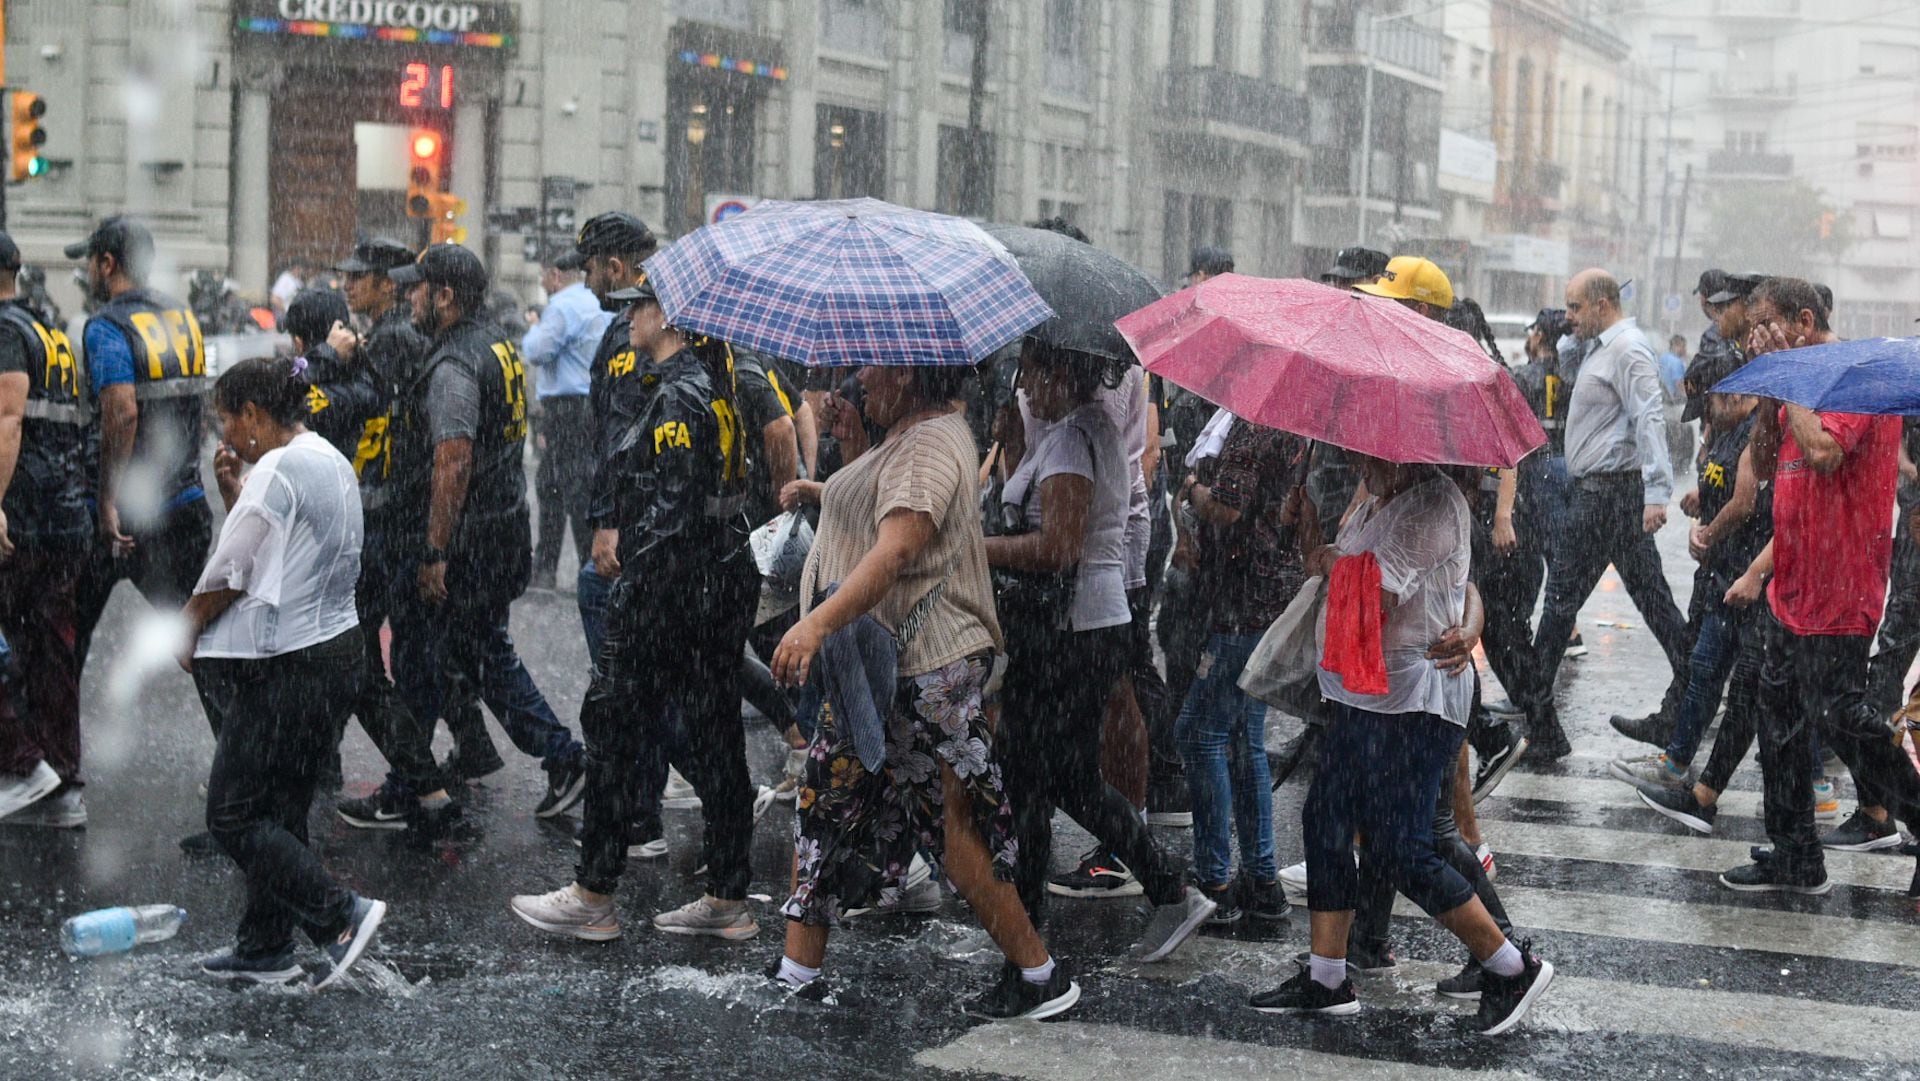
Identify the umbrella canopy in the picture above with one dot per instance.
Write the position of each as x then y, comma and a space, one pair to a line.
1872, 375
1352, 370
1087, 289
848, 282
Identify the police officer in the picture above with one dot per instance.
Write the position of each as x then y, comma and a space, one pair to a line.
343, 397
45, 532
675, 483
459, 516
147, 367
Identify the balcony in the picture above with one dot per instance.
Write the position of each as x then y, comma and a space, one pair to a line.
1212, 96
1757, 9
1399, 43
737, 14
1739, 163
1754, 87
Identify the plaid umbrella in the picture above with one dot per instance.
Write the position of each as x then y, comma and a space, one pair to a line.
848, 282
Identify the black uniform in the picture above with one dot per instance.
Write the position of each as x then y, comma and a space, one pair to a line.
50, 527
471, 386
169, 387
676, 621
346, 407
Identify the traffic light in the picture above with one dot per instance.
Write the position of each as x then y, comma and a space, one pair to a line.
425, 149
447, 209
28, 137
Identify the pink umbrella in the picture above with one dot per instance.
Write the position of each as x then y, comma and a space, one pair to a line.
1357, 371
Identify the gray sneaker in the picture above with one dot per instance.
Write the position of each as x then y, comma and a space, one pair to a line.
915, 899
1652, 773
19, 793
1172, 924
733, 922
66, 811
565, 912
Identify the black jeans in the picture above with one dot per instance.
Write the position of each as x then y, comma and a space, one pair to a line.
1184, 626
1164, 761
1818, 684
671, 657
1603, 526
564, 478
165, 563
1899, 628
277, 718
1052, 707
1372, 917
386, 571
1509, 583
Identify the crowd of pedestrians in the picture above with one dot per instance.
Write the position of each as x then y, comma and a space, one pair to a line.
996, 551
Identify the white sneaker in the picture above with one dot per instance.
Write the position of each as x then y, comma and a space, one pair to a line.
702, 917
1293, 879
678, 794
763, 800
788, 790
19, 792
565, 912
66, 811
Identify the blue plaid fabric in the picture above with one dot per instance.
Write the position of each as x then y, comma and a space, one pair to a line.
848, 282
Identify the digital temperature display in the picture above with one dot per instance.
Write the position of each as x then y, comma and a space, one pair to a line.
424, 86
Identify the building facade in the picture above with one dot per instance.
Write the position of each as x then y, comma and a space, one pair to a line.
255, 133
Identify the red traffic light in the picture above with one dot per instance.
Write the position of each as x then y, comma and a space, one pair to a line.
425, 145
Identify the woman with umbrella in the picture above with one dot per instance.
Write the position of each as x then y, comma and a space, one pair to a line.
1406, 396
1061, 569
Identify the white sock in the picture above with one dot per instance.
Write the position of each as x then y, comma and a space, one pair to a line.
1143, 814
796, 975
1506, 961
1328, 972
1038, 974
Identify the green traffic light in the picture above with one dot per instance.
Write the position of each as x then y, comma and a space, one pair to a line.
37, 167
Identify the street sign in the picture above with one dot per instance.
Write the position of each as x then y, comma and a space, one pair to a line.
512, 219
1672, 303
722, 207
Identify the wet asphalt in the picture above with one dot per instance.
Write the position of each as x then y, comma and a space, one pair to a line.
1664, 974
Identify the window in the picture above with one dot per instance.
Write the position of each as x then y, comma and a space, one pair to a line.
1886, 142
1747, 142
1190, 222
1887, 60
1066, 30
855, 26
850, 153
1226, 31
965, 182
962, 21
1062, 180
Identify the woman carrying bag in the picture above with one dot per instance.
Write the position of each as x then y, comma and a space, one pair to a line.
900, 541
1060, 570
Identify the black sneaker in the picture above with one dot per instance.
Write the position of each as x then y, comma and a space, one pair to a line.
362, 929
1304, 994
1168, 803
817, 990
1099, 875
1765, 877
1576, 646
474, 765
1505, 1000
1655, 728
1226, 906
566, 784
1504, 707
1496, 766
1464, 985
200, 844
1860, 833
278, 967
1013, 998
1546, 740
1680, 805
388, 808
1265, 901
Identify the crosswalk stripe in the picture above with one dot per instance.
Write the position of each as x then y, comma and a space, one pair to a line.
1602, 792
1873, 870
1087, 1051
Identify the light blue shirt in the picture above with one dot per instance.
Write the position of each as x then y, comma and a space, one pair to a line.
1615, 418
1672, 371
561, 345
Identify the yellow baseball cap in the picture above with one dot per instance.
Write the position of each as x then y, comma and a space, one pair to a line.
1410, 277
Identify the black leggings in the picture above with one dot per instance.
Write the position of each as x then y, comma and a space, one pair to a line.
1371, 919
278, 718
1051, 710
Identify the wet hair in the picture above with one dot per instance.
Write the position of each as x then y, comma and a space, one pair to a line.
1086, 373
1826, 297
1467, 317
277, 386
1790, 297
934, 383
1057, 224
312, 313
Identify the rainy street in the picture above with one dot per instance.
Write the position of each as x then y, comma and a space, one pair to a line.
1664, 973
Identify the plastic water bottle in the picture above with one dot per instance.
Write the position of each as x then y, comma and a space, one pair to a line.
117, 930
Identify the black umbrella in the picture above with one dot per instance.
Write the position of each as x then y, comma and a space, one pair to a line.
1087, 288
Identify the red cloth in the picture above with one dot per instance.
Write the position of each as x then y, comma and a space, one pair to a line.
1353, 651
1833, 534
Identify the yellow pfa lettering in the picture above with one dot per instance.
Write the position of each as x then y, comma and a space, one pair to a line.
620, 363
672, 434
154, 336
1715, 474
1553, 392
198, 342
374, 446
175, 321
61, 373
514, 374
731, 451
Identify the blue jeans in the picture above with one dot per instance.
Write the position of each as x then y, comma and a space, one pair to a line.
1714, 649
1380, 776
1216, 719
591, 590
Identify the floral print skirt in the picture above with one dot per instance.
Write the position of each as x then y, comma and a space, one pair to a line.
856, 832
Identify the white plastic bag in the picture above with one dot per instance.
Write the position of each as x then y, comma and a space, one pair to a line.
780, 550
1284, 669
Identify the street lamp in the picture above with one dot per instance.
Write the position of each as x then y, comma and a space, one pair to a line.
1373, 24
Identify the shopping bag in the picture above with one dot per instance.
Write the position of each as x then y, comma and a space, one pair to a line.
1284, 669
780, 550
